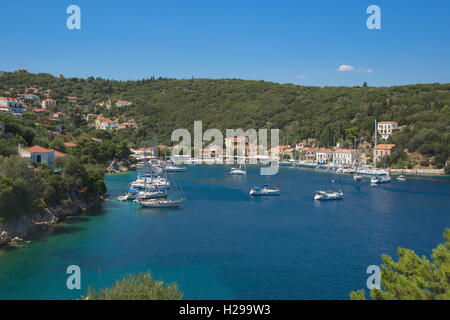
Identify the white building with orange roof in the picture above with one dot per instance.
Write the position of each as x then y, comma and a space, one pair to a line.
386, 128
103, 123
47, 103
123, 103
383, 150
344, 157
38, 154
11, 105
324, 155
310, 153
299, 146
31, 96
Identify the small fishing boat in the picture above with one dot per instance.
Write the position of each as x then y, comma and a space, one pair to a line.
401, 178
380, 179
324, 195
357, 177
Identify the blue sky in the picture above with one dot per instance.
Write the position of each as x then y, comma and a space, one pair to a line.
300, 42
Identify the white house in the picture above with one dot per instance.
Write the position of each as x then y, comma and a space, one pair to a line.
343, 157
310, 153
31, 96
11, 105
47, 103
324, 155
385, 128
38, 154
122, 103
59, 115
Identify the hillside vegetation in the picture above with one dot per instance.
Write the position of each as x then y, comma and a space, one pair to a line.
332, 114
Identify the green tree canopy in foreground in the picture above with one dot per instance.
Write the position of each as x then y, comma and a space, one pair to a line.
412, 277
136, 287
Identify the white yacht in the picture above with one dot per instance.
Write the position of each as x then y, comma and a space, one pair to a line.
264, 190
324, 195
238, 171
385, 178
161, 203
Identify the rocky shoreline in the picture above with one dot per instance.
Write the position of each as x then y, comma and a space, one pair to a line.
115, 166
15, 232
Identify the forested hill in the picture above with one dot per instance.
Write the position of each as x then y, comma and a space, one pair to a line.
329, 113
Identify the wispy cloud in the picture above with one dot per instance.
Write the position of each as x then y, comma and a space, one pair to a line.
316, 71
301, 76
360, 69
345, 67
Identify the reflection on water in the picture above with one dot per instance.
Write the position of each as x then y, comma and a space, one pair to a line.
222, 243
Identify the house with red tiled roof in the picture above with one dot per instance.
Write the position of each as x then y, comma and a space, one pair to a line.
31, 96
324, 155
59, 115
47, 103
344, 157
299, 146
11, 105
383, 150
122, 103
38, 154
97, 140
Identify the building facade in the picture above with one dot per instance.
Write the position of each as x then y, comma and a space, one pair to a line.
383, 150
11, 105
343, 157
386, 128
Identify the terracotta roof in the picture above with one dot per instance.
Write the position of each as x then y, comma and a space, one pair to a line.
38, 149
59, 154
325, 150
70, 144
310, 149
344, 151
387, 122
385, 146
11, 99
97, 139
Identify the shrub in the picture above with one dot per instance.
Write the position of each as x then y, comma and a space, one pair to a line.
136, 287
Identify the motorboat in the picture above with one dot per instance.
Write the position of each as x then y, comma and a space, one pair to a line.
161, 203
380, 179
264, 190
332, 195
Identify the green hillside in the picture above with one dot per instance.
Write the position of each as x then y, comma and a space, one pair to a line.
331, 114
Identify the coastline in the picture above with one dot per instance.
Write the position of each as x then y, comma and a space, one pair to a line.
12, 233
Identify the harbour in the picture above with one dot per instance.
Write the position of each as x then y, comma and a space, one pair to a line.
225, 244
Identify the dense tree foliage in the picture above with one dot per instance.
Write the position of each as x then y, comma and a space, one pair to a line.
333, 114
136, 287
25, 189
414, 278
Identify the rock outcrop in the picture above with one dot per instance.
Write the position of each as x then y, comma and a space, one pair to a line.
14, 232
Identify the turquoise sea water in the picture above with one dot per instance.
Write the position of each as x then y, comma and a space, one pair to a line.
223, 244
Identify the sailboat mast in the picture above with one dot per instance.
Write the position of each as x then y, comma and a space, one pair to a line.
376, 142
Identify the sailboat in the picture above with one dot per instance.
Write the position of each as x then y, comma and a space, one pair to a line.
238, 171
265, 190
330, 195
163, 201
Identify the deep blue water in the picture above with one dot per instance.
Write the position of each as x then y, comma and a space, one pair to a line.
223, 244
